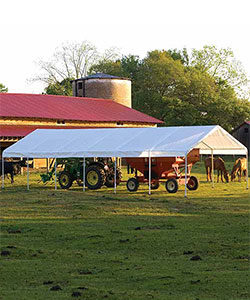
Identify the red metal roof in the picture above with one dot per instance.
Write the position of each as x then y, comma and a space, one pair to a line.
68, 108
21, 131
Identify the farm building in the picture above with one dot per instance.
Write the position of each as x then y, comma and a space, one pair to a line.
100, 101
242, 134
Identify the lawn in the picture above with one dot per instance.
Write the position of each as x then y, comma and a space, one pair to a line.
100, 245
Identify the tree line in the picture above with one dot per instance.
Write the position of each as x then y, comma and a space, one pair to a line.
181, 87
202, 89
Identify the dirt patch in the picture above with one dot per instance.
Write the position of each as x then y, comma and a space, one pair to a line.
124, 241
56, 288
167, 277
94, 236
14, 231
196, 257
188, 252
48, 282
195, 281
160, 227
85, 272
76, 294
5, 253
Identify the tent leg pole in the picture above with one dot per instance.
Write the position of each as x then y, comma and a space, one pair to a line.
83, 176
115, 178
186, 176
55, 175
247, 170
28, 175
2, 172
212, 163
149, 173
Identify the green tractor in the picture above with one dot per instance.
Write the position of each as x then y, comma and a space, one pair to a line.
98, 172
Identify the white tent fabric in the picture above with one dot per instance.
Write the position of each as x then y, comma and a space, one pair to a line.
125, 142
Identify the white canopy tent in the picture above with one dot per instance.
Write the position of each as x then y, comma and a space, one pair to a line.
126, 142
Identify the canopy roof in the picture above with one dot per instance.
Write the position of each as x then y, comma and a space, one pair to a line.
125, 142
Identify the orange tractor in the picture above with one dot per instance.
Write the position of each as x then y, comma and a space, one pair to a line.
170, 170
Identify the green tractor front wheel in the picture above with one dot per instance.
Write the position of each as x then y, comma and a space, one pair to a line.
95, 177
65, 180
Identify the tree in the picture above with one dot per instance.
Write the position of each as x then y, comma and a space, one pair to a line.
159, 79
71, 61
181, 55
222, 65
60, 88
167, 87
3, 89
127, 66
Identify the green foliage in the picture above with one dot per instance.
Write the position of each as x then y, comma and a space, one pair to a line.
60, 88
3, 89
180, 90
108, 67
125, 245
221, 64
127, 66
181, 55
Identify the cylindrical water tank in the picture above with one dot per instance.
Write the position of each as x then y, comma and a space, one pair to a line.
104, 86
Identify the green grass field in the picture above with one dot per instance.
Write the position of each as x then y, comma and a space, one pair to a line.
100, 245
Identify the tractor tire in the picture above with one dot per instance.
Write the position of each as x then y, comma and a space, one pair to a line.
110, 179
65, 180
95, 177
155, 185
171, 185
193, 183
132, 185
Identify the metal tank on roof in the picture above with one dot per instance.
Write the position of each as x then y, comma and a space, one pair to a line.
104, 86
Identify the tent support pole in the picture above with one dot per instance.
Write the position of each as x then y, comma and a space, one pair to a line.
186, 176
55, 175
28, 175
115, 177
83, 175
2, 172
212, 163
247, 169
149, 172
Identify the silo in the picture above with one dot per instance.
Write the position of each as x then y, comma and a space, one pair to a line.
104, 86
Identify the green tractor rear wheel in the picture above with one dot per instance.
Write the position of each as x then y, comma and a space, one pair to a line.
65, 180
